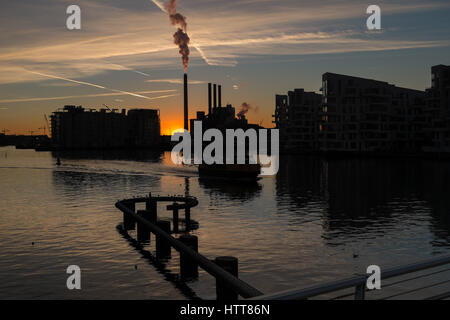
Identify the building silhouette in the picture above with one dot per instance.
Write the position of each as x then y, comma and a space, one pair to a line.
296, 115
438, 110
366, 116
74, 127
220, 117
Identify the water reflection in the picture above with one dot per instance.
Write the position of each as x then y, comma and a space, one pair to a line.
298, 228
230, 190
133, 155
367, 195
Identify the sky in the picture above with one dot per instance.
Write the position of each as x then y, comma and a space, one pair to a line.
124, 55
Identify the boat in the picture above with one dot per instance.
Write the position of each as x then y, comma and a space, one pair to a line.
230, 171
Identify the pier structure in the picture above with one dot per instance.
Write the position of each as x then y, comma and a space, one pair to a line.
413, 278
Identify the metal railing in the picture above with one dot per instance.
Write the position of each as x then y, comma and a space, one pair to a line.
360, 282
234, 283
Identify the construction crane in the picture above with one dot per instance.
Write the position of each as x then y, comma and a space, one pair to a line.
46, 122
107, 107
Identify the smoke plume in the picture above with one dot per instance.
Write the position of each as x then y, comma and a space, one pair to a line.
245, 108
181, 39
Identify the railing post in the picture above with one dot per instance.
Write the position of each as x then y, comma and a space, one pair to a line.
187, 218
163, 248
223, 292
175, 217
129, 223
188, 268
151, 205
143, 233
360, 291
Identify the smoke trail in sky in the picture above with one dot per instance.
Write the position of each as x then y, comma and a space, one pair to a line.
181, 39
245, 108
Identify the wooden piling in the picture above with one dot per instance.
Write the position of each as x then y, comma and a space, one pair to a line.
151, 205
129, 223
175, 218
163, 248
187, 218
143, 233
224, 292
188, 267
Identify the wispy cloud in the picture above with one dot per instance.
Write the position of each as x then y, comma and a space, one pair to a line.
222, 33
91, 96
90, 84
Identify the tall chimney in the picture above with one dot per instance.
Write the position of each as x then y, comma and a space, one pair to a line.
209, 99
186, 105
220, 95
215, 96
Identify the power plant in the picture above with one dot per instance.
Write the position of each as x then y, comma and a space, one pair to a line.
219, 116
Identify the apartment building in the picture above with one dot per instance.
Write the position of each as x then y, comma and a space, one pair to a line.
74, 127
438, 110
296, 117
365, 115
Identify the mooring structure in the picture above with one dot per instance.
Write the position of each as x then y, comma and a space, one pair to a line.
223, 269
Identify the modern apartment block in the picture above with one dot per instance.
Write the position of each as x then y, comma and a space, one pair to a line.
364, 115
73, 127
438, 110
296, 117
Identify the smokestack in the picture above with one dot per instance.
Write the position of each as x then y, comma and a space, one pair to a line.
220, 95
209, 99
186, 105
215, 96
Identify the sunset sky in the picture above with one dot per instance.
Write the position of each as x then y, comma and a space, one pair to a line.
124, 55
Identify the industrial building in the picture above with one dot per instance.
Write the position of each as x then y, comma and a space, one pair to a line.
74, 127
220, 117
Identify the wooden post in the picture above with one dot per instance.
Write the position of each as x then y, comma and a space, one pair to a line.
188, 268
129, 223
187, 218
162, 246
223, 292
151, 205
143, 233
360, 292
175, 218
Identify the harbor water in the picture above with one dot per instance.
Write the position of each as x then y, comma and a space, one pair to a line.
317, 220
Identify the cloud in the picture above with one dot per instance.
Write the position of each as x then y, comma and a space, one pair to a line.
137, 37
89, 84
91, 96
